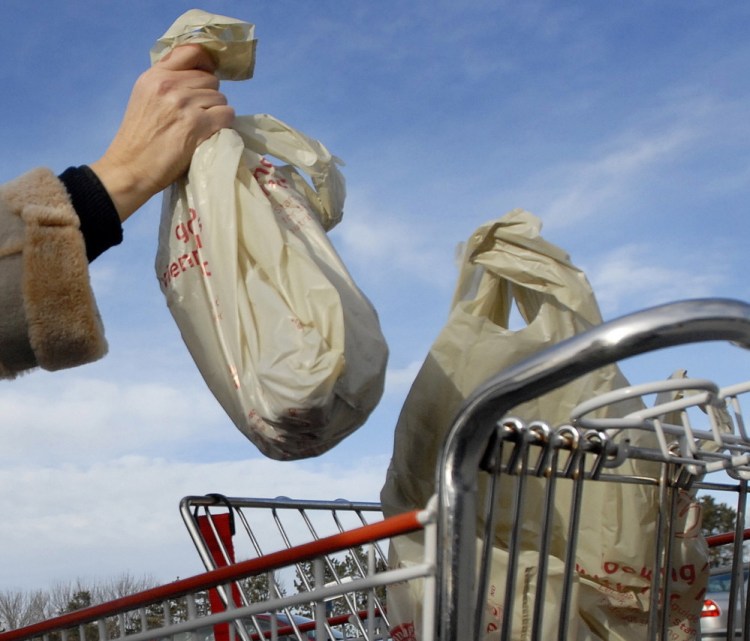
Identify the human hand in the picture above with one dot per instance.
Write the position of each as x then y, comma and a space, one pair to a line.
174, 106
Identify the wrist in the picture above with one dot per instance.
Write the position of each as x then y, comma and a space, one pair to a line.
99, 221
127, 191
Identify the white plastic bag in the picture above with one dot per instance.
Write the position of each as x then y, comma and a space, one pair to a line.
282, 335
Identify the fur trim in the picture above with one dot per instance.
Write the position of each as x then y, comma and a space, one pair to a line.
64, 326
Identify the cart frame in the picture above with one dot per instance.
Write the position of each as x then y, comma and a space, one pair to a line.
457, 475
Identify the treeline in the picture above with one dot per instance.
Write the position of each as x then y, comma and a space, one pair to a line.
19, 608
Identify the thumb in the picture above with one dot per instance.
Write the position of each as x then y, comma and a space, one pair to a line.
191, 56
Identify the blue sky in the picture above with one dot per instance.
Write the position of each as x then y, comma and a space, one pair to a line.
623, 126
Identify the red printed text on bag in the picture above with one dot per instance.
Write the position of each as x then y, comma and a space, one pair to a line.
404, 632
265, 174
685, 574
189, 233
285, 201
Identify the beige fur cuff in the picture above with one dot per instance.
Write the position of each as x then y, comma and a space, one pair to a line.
64, 325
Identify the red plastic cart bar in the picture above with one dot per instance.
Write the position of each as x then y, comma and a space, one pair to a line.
390, 527
724, 539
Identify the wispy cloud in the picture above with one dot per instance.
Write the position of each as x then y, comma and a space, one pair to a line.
579, 190
408, 248
636, 276
668, 146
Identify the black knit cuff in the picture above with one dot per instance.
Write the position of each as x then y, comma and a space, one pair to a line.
100, 223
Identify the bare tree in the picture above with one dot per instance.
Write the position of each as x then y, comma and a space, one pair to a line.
19, 608
69, 595
120, 586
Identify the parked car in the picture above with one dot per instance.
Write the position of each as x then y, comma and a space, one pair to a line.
714, 616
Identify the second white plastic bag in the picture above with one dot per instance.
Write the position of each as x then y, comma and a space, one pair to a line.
507, 263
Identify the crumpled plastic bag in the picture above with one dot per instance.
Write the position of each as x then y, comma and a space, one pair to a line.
505, 263
231, 42
286, 341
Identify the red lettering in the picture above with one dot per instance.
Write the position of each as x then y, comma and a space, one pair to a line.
186, 231
181, 233
194, 219
610, 567
182, 264
687, 573
266, 177
404, 632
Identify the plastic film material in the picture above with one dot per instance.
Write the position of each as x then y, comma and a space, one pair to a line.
230, 41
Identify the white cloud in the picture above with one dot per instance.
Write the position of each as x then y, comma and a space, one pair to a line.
104, 518
69, 417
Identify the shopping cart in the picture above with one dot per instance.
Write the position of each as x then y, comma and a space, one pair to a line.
224, 529
334, 555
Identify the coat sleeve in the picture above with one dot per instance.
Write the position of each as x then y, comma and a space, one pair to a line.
48, 315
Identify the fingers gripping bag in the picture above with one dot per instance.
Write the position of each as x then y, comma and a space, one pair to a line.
505, 263
285, 340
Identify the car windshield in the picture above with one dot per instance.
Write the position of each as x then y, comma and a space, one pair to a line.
722, 581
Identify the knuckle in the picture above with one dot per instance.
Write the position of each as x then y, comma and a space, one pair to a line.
166, 88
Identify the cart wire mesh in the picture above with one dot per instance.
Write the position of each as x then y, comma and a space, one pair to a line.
706, 450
